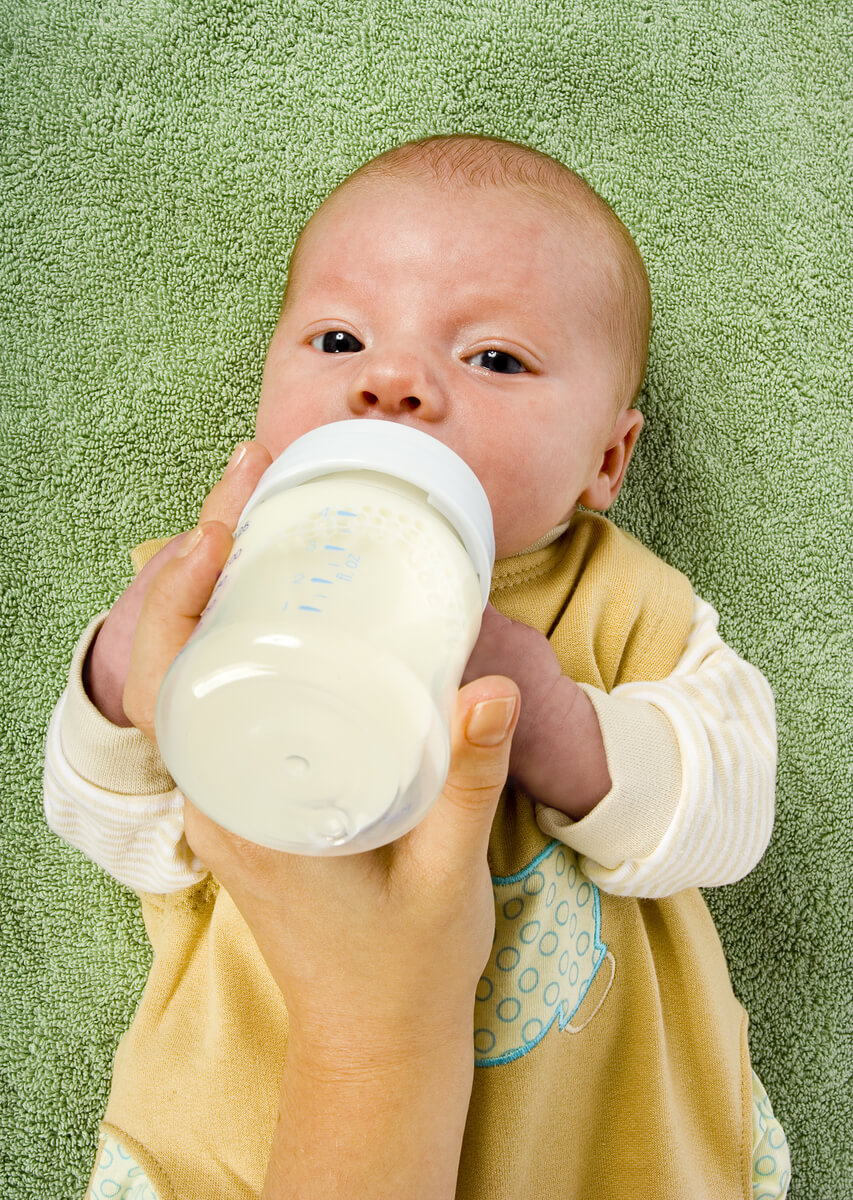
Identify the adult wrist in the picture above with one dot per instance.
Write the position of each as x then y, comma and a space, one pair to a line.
363, 1065
329, 1050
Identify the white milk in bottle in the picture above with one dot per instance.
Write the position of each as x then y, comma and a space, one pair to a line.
309, 711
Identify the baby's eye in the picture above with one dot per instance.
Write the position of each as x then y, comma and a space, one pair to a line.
499, 361
336, 341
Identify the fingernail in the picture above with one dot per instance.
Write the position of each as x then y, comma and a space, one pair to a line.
190, 542
489, 723
237, 457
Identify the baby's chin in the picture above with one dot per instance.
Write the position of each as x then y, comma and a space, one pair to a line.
516, 541
507, 548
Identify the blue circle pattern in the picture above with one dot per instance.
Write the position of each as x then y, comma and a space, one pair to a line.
546, 953
771, 1159
118, 1176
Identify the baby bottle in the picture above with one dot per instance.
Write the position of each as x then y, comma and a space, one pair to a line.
310, 709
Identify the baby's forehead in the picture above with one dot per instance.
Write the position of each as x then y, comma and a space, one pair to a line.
562, 228
532, 214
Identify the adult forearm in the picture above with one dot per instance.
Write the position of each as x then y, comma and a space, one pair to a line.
376, 1132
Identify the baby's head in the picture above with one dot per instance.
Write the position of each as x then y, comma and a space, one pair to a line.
482, 292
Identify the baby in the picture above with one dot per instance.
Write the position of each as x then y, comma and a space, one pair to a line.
525, 998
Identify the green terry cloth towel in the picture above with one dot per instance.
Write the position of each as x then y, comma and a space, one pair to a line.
158, 158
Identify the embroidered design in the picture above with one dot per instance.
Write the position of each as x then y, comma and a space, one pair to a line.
546, 953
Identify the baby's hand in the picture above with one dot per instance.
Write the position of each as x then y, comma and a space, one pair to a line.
506, 647
557, 751
511, 648
108, 664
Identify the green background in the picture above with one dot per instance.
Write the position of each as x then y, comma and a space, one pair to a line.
157, 161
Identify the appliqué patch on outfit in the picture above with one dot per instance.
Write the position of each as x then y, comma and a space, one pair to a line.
117, 1176
771, 1158
546, 953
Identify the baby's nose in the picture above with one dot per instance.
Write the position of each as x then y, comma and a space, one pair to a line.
362, 401
394, 385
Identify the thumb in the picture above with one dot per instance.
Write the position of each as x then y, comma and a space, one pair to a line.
170, 611
484, 721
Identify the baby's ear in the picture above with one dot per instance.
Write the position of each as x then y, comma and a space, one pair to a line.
604, 486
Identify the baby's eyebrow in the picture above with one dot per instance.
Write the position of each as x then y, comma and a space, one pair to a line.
331, 285
478, 299
334, 280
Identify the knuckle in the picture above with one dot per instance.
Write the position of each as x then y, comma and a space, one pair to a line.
478, 791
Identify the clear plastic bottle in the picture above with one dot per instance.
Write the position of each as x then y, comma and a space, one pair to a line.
310, 709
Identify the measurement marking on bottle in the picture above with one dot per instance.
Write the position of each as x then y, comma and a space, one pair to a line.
341, 548
308, 608
315, 579
342, 512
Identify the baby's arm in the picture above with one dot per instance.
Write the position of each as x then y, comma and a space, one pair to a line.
691, 760
107, 791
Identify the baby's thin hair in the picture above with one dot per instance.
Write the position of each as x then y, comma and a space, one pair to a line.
483, 161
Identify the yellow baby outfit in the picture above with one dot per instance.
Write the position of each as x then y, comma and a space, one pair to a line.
612, 1057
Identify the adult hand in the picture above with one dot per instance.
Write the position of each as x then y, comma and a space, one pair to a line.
385, 946
377, 954
354, 942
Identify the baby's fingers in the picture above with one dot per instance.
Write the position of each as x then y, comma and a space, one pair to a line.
229, 496
170, 612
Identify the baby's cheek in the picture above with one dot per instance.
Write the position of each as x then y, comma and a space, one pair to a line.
279, 424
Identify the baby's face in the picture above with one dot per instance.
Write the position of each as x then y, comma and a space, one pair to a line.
469, 314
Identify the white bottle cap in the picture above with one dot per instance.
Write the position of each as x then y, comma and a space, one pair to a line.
409, 454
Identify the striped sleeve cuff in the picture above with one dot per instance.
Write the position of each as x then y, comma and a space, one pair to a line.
109, 756
692, 761
645, 773
108, 793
